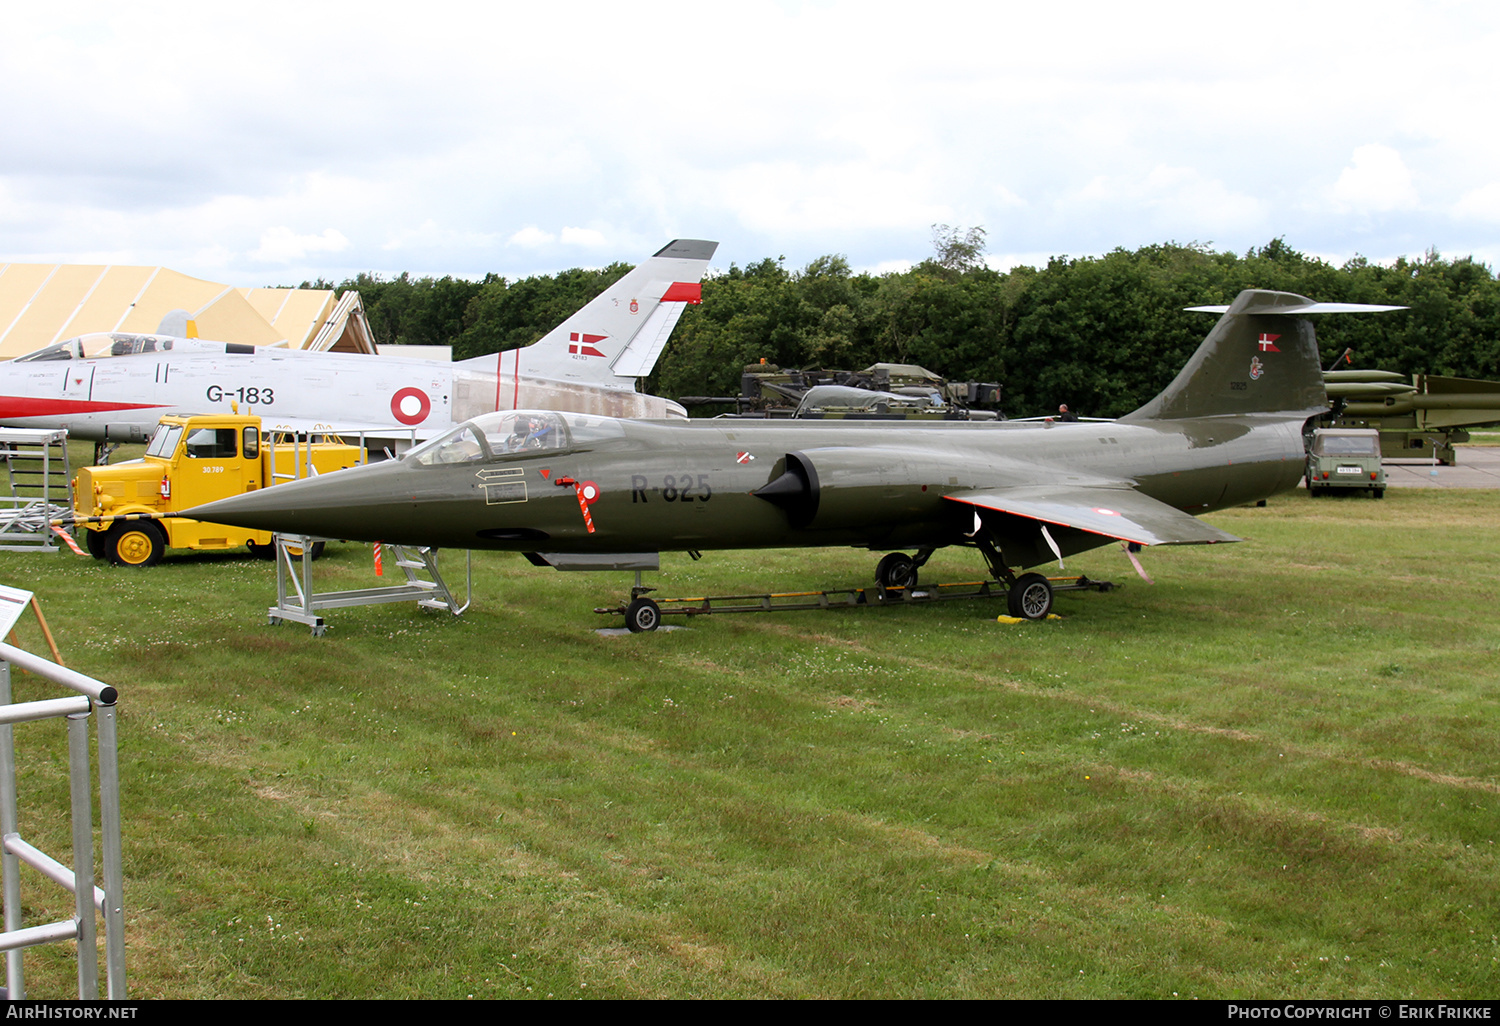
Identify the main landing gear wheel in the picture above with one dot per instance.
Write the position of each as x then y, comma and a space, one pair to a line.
896, 570
1031, 598
642, 615
135, 543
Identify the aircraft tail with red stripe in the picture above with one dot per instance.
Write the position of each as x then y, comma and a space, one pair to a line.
616, 338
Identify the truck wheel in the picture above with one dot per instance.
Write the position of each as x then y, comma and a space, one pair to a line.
642, 615
262, 551
1031, 598
135, 543
1379, 492
94, 541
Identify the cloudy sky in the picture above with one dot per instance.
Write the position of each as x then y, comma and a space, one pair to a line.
272, 142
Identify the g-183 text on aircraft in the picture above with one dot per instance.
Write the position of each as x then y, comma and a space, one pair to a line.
577, 491
589, 363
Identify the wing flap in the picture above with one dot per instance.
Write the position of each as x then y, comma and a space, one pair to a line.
1112, 512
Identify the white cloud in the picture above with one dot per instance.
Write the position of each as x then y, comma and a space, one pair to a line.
1108, 126
1004, 196
792, 199
1376, 181
281, 245
1481, 204
429, 236
531, 237
586, 237
214, 257
1170, 200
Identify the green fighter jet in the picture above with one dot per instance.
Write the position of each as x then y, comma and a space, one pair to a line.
577, 491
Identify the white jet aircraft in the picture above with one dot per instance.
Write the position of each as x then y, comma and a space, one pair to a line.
113, 387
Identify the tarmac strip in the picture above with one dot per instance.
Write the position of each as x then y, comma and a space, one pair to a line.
1478, 467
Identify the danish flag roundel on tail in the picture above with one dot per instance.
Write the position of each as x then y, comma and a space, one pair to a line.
410, 406
1267, 343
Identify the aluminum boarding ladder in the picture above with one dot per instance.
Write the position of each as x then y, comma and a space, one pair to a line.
296, 601
414, 562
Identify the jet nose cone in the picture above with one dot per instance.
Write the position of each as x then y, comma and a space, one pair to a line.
344, 504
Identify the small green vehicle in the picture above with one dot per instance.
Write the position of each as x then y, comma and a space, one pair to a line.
1341, 459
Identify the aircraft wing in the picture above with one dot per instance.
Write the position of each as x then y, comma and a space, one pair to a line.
1115, 512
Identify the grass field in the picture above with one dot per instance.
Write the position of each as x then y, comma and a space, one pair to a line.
1273, 773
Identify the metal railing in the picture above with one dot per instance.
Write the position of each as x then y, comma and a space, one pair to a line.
40, 488
94, 699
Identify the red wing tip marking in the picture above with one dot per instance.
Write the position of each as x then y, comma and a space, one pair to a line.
683, 292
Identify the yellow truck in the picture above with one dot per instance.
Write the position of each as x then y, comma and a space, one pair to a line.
190, 461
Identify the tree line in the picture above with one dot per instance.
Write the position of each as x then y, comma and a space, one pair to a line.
1102, 334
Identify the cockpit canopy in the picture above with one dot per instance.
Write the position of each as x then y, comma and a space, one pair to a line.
509, 433
118, 343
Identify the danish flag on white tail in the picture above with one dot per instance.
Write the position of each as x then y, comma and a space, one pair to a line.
581, 344
1267, 343
633, 318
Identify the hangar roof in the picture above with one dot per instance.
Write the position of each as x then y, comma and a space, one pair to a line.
45, 303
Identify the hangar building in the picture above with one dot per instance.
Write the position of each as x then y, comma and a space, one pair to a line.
41, 304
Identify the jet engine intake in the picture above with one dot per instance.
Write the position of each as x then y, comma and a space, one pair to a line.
848, 488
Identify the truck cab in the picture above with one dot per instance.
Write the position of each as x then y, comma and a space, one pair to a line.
1340, 459
190, 461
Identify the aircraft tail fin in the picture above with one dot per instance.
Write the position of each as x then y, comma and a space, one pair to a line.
1261, 357
618, 336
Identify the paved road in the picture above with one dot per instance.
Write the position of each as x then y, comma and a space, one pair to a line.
1478, 467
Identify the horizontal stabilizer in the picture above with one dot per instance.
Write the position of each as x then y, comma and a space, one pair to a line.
1112, 512
1299, 308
